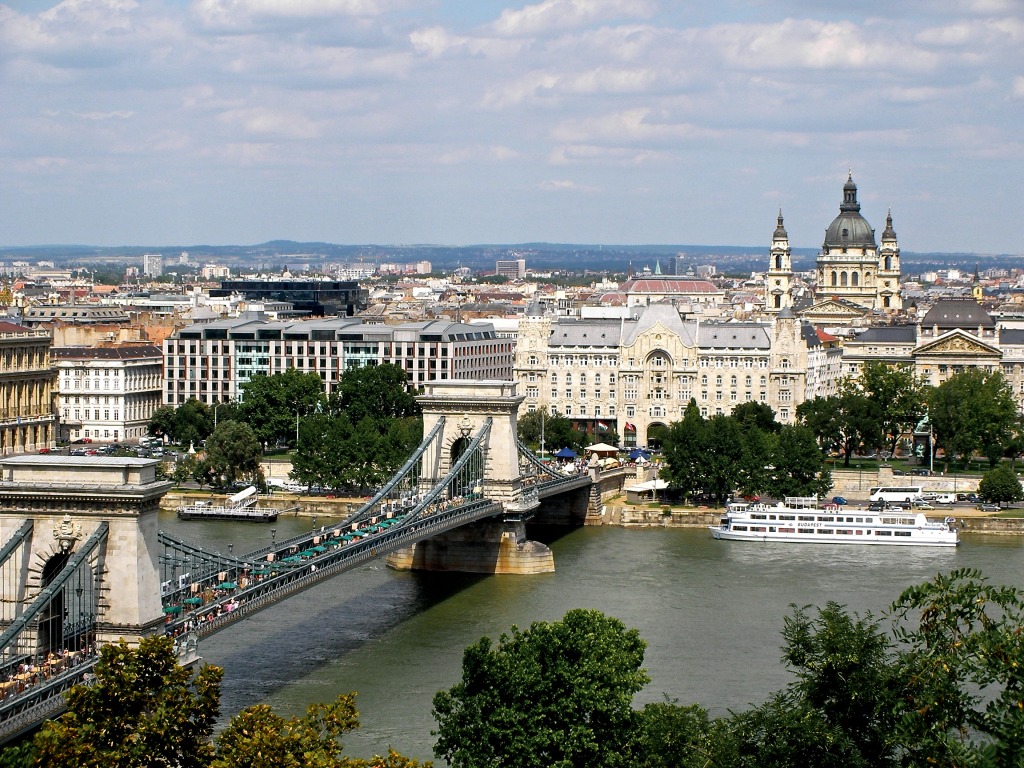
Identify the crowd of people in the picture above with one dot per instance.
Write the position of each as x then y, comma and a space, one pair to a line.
32, 672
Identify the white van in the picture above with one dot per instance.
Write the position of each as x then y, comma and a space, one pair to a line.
945, 498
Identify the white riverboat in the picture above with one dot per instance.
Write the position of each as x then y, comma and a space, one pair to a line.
802, 520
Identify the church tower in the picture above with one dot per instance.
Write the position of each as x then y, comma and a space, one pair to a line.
778, 294
889, 269
850, 266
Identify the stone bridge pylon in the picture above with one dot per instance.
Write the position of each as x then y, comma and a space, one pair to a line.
494, 545
56, 511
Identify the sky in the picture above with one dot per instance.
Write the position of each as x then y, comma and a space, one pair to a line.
457, 122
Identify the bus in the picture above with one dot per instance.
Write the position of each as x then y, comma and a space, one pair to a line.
896, 494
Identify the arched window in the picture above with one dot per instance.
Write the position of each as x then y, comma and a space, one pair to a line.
855, 279
843, 279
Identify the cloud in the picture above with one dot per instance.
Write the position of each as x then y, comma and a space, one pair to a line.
566, 185
121, 114
554, 16
477, 154
276, 123
244, 13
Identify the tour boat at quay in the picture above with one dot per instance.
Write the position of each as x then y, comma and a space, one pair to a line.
801, 520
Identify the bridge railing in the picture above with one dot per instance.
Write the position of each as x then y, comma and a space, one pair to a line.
297, 564
53, 636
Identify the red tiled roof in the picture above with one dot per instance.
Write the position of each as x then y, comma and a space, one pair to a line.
667, 285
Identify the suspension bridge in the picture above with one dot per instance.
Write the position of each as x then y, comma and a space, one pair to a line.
83, 564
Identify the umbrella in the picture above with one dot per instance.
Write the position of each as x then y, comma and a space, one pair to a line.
318, 548
261, 572
227, 585
639, 453
347, 537
172, 609
292, 559
564, 453
193, 600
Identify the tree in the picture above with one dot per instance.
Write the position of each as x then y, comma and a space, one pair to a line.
1001, 486
193, 422
962, 672
897, 395
163, 421
557, 694
684, 452
972, 410
757, 415
272, 405
259, 738
142, 710
558, 431
146, 710
799, 467
233, 452
377, 391
723, 456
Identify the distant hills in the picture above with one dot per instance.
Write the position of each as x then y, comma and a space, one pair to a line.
576, 257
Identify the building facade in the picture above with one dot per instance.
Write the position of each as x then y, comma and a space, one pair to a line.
953, 335
108, 393
637, 375
211, 361
27, 381
309, 297
513, 269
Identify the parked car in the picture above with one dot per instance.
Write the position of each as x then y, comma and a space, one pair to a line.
989, 507
44, 450
840, 500
78, 451
921, 472
898, 472
923, 505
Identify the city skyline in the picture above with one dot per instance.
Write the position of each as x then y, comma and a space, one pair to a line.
456, 122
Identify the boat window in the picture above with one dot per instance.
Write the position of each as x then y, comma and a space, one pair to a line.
844, 531
827, 519
883, 533
758, 517
806, 530
825, 530
787, 517
806, 518
787, 530
739, 527
859, 520
901, 533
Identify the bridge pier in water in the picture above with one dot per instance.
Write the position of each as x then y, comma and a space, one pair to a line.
486, 546
493, 545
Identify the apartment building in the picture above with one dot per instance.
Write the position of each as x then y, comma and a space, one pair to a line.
212, 361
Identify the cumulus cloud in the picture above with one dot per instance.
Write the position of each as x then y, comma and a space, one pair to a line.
554, 16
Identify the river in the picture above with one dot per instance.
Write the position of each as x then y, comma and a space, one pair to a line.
710, 611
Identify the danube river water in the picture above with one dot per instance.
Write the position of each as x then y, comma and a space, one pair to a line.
710, 611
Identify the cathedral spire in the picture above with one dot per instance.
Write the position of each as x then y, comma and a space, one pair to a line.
888, 233
780, 231
850, 203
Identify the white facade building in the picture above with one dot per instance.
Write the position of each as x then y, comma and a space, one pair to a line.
109, 393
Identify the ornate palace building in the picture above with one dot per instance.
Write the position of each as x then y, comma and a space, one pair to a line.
637, 374
27, 379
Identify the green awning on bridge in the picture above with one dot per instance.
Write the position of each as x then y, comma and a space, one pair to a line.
172, 609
